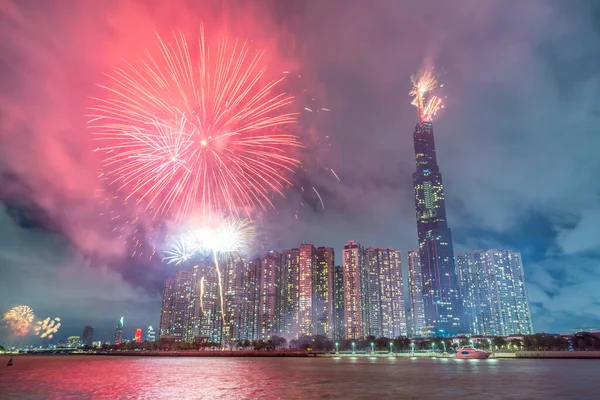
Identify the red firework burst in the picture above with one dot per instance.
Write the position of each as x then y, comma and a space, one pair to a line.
196, 132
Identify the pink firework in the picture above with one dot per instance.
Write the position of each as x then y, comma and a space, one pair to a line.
195, 131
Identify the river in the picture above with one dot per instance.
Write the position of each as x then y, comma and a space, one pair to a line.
109, 377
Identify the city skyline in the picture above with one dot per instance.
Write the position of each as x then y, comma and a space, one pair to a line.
513, 145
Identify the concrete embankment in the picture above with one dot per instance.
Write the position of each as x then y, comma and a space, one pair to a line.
550, 354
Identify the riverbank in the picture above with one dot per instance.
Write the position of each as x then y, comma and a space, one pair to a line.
322, 354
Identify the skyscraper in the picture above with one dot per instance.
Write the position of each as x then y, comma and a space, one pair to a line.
138, 335
338, 303
322, 297
308, 259
150, 334
440, 288
415, 289
356, 296
118, 337
88, 336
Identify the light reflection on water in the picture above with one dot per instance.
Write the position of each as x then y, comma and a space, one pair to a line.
295, 378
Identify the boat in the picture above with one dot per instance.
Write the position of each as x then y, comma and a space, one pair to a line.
10, 362
469, 353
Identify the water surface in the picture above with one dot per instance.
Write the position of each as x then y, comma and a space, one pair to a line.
109, 377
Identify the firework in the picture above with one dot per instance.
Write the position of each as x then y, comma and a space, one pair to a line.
427, 103
19, 320
195, 131
47, 328
219, 237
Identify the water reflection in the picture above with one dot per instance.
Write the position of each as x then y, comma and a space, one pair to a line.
295, 378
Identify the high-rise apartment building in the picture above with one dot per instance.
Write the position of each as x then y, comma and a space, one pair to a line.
440, 287
166, 310
415, 290
307, 261
469, 268
507, 292
494, 292
269, 294
356, 295
88, 336
322, 286
338, 303
118, 336
290, 294
387, 314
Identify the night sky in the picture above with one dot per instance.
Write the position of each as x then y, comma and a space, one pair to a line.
517, 142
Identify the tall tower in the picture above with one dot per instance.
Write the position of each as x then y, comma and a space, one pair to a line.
440, 287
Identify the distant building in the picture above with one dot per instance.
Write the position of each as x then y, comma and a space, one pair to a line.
74, 341
356, 295
118, 336
415, 290
150, 334
338, 303
97, 344
88, 336
138, 335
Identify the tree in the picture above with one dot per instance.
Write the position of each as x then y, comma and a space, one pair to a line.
499, 342
402, 343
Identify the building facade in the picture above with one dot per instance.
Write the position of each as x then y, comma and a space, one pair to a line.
415, 289
322, 286
338, 303
494, 293
441, 302
387, 314
356, 295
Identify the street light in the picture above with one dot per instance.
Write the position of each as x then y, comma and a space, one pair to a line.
372, 347
412, 344
391, 347
337, 347
353, 347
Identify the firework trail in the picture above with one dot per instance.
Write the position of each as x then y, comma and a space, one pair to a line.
221, 238
47, 328
196, 131
427, 103
19, 320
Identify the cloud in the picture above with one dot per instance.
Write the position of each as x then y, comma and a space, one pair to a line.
45, 272
516, 142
